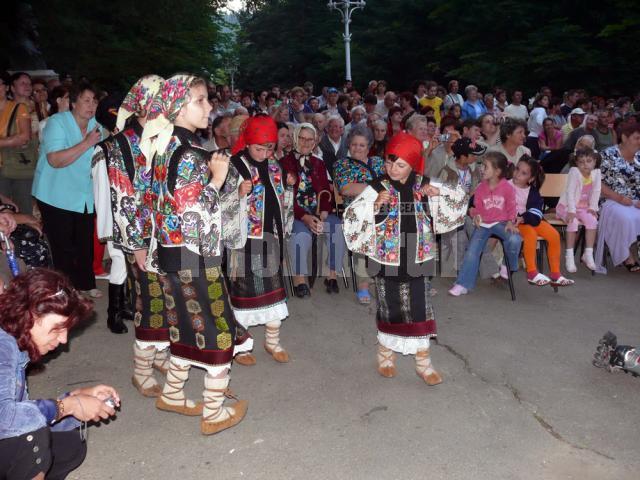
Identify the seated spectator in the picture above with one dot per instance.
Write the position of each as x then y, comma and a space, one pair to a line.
620, 213
40, 438
550, 139
473, 107
357, 117
370, 102
455, 111
441, 154
313, 204
387, 104
283, 147
555, 114
512, 135
380, 139
576, 118
604, 135
352, 175
394, 122
332, 144
501, 100
408, 105
489, 129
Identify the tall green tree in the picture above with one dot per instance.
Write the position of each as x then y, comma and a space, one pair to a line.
116, 42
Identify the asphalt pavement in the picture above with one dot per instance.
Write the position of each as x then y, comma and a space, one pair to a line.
520, 399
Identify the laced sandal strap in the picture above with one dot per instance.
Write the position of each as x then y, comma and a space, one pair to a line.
386, 357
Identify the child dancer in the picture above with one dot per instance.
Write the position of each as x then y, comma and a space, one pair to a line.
578, 205
391, 223
494, 214
527, 179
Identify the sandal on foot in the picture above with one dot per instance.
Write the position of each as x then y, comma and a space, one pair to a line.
562, 282
363, 297
632, 267
154, 391
279, 354
540, 280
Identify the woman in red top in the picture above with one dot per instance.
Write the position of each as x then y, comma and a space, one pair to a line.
312, 210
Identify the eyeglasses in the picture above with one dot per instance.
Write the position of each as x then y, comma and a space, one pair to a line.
306, 139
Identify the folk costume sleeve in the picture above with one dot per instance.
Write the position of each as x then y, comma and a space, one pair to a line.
449, 208
198, 205
359, 225
101, 193
233, 211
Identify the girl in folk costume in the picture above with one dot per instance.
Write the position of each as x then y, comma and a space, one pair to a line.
124, 202
256, 284
192, 219
389, 222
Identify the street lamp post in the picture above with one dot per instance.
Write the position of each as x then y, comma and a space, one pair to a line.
346, 9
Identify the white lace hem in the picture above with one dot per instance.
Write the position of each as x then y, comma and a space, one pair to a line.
213, 370
246, 346
404, 345
160, 346
261, 316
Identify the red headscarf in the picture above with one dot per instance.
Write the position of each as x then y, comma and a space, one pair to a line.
408, 148
256, 130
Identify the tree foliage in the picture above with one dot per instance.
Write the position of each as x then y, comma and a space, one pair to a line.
116, 42
488, 42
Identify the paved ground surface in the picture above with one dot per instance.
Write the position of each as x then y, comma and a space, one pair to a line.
520, 400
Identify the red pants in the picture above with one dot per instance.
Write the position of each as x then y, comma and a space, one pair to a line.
530, 236
98, 252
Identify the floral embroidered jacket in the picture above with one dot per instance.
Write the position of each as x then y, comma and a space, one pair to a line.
257, 198
188, 211
379, 236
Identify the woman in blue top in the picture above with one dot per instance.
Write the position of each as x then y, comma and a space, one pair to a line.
63, 188
473, 107
40, 438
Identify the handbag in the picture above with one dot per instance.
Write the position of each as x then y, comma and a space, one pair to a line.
18, 163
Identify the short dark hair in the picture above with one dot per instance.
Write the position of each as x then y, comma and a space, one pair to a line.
79, 89
585, 152
370, 99
509, 126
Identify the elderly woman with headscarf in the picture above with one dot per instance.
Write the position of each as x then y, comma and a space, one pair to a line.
391, 223
193, 218
352, 174
124, 202
312, 206
256, 285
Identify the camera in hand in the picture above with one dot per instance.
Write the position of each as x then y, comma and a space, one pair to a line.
444, 137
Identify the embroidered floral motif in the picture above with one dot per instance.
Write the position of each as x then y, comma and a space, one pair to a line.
306, 196
255, 202
348, 171
388, 231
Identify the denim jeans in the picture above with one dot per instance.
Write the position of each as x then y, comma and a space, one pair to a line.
301, 239
512, 243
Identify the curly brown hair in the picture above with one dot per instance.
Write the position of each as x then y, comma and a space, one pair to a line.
34, 294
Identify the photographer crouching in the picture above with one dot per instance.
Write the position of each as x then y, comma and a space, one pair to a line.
42, 438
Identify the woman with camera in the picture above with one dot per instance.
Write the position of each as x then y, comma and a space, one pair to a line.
40, 438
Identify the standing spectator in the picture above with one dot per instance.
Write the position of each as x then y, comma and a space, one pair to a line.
226, 104
408, 105
40, 96
605, 136
516, 109
372, 87
473, 107
332, 144
381, 89
501, 100
453, 97
538, 114
59, 101
261, 104
21, 91
623, 106
387, 104
296, 107
15, 132
378, 148
283, 146
63, 188
219, 134
357, 117
570, 99
554, 113
394, 124
432, 100
332, 106
370, 102
419, 90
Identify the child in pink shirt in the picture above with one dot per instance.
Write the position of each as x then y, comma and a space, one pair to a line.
494, 213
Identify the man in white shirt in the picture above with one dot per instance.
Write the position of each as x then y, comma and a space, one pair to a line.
387, 104
516, 109
226, 105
